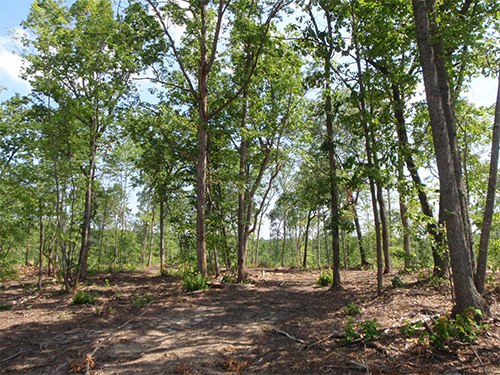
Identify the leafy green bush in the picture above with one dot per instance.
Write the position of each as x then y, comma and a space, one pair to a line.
325, 278
82, 297
445, 329
5, 305
140, 301
398, 283
350, 332
194, 282
370, 329
352, 309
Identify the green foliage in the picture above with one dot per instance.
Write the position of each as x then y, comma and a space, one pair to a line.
350, 332
464, 327
325, 278
370, 329
352, 309
140, 301
410, 330
82, 297
5, 305
396, 282
194, 282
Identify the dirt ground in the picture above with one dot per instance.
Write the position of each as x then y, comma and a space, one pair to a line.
281, 323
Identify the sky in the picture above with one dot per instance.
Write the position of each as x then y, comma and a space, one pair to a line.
12, 12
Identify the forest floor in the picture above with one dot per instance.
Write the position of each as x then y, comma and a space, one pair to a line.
281, 323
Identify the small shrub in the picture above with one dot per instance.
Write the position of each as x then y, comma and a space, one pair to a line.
195, 282
350, 332
82, 297
140, 301
5, 305
398, 283
352, 309
445, 329
370, 329
325, 278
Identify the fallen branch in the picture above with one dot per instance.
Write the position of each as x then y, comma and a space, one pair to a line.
287, 335
479, 359
13, 356
336, 335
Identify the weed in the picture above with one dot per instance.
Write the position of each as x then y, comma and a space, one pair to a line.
5, 305
445, 329
195, 282
140, 301
352, 309
398, 283
370, 329
106, 282
82, 297
350, 332
228, 279
325, 278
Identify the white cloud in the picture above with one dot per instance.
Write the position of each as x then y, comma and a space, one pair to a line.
11, 64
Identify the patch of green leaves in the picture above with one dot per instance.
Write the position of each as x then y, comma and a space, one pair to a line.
325, 278
396, 282
352, 309
5, 305
140, 301
83, 297
368, 330
194, 282
445, 329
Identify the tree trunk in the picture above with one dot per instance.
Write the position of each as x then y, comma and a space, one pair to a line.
306, 240
482, 261
87, 215
450, 177
151, 239
42, 240
385, 230
403, 211
162, 232
284, 242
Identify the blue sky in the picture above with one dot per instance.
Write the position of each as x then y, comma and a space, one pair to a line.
12, 12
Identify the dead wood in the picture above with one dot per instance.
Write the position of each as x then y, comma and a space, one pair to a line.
13, 356
333, 335
287, 335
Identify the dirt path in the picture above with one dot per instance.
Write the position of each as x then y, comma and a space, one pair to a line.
238, 329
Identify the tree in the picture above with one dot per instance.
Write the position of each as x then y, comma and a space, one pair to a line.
83, 62
443, 126
198, 58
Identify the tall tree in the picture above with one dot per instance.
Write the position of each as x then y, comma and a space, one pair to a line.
443, 126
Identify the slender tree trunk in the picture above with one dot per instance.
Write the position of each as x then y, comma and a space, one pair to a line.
482, 261
385, 230
403, 211
450, 174
42, 240
318, 225
87, 215
369, 153
162, 232
284, 242
152, 238
306, 240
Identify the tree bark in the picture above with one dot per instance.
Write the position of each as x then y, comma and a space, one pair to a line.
450, 176
482, 261
306, 240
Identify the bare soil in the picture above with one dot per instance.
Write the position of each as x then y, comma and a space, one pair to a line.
281, 323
